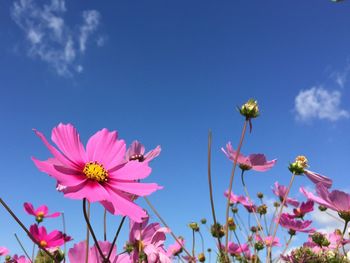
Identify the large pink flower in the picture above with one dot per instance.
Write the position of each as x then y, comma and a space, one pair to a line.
255, 162
148, 239
77, 253
51, 240
136, 151
336, 200
40, 213
287, 221
280, 191
99, 173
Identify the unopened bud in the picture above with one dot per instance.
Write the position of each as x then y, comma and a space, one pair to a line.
276, 204
262, 209
322, 208
201, 257
259, 245
217, 230
194, 226
203, 221
260, 195
234, 210
250, 109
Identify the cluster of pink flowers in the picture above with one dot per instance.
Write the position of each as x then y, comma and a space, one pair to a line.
105, 171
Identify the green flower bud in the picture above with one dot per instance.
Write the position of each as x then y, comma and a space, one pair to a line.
250, 109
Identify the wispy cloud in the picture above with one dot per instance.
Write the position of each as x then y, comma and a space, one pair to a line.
50, 38
319, 103
341, 77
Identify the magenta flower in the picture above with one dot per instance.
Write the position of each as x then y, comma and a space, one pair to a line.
19, 259
250, 206
287, 221
3, 251
256, 162
234, 199
236, 249
77, 254
40, 213
176, 248
99, 173
303, 209
318, 178
53, 239
268, 241
136, 151
336, 200
148, 239
280, 191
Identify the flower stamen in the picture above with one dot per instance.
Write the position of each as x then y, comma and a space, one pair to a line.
95, 171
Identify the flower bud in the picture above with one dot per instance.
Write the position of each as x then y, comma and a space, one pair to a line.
203, 221
194, 226
231, 224
260, 195
276, 204
253, 229
209, 250
217, 230
262, 209
250, 109
234, 210
201, 257
259, 245
129, 247
322, 208
299, 165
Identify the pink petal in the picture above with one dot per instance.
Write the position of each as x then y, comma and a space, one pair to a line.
91, 190
66, 137
131, 171
139, 189
267, 166
104, 148
318, 178
59, 156
42, 209
56, 214
28, 207
152, 154
63, 175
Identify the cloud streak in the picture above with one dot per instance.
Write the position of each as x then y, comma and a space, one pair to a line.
49, 37
319, 103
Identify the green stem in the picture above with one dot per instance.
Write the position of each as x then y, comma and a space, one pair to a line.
105, 225
87, 235
64, 232
231, 180
21, 245
115, 238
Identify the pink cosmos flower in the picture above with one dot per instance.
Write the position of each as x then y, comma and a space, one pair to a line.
136, 151
236, 249
287, 221
268, 241
250, 206
303, 209
53, 239
176, 248
19, 259
280, 191
3, 251
335, 240
97, 173
234, 199
77, 254
150, 240
256, 162
336, 200
40, 213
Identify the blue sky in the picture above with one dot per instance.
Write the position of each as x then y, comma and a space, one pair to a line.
164, 72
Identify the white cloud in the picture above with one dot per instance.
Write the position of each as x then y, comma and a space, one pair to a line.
319, 103
49, 37
341, 77
327, 221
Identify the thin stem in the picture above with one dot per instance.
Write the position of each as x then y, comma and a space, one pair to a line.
166, 225
211, 186
260, 228
202, 240
231, 180
272, 220
246, 233
91, 230
64, 232
287, 245
26, 230
115, 237
105, 225
193, 243
280, 212
21, 245
87, 236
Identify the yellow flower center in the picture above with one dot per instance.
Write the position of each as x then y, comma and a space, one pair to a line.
95, 171
40, 214
43, 243
139, 245
302, 161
